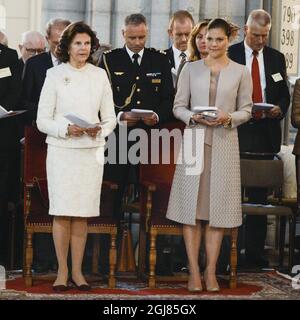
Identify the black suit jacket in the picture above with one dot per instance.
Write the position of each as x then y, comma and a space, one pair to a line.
33, 79
170, 55
265, 135
154, 81
10, 87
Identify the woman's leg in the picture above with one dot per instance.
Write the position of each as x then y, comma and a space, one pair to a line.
213, 241
192, 239
61, 237
78, 241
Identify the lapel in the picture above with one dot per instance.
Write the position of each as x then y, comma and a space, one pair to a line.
241, 57
127, 60
170, 55
267, 64
49, 60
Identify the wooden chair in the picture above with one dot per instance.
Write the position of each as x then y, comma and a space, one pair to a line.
269, 174
36, 218
156, 180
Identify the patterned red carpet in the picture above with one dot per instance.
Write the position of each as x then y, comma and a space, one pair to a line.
250, 286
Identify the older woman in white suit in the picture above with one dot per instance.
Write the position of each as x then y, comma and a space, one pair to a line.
75, 156
213, 196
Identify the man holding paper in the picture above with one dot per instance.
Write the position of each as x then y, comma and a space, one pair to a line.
143, 91
262, 134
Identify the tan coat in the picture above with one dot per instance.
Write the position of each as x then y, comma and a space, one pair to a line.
234, 95
296, 116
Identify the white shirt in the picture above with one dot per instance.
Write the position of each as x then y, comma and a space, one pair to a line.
55, 61
260, 58
177, 57
131, 53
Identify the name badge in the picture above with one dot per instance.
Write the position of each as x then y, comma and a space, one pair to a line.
277, 77
153, 74
5, 72
118, 73
156, 80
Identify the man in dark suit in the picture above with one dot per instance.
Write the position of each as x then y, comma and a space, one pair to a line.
10, 86
180, 27
140, 78
36, 67
262, 134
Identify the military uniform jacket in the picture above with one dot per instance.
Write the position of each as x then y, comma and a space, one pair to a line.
154, 86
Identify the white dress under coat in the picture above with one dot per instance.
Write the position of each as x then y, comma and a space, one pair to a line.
75, 164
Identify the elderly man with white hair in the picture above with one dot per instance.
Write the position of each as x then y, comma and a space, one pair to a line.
32, 43
3, 38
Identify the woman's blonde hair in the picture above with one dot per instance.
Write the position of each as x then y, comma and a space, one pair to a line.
194, 53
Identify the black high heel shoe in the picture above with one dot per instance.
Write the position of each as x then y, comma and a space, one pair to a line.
82, 287
60, 288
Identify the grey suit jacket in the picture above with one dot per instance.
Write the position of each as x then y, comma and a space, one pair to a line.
234, 95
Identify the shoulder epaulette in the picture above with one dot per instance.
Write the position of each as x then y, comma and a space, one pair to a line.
158, 51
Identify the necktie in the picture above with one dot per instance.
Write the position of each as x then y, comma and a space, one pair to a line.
257, 91
135, 60
183, 57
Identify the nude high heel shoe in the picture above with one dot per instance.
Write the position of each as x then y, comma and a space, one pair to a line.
210, 288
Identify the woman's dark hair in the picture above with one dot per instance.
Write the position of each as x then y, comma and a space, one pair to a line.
230, 29
62, 49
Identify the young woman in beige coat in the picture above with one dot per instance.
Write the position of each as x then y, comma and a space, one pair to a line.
214, 196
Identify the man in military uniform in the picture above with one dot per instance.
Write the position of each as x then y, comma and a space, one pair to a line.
141, 79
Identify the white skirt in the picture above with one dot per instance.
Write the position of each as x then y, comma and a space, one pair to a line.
74, 181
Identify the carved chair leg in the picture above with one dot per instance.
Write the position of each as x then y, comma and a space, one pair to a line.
282, 240
96, 253
112, 262
292, 227
28, 259
142, 253
233, 259
152, 260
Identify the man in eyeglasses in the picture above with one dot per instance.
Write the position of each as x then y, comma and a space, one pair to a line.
32, 43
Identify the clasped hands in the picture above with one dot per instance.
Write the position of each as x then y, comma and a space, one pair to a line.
132, 121
222, 117
76, 131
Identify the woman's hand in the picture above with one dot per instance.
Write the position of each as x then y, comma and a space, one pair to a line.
75, 131
92, 132
222, 117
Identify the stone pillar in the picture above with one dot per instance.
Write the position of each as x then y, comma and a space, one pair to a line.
209, 9
73, 10
158, 25
98, 16
120, 10
253, 4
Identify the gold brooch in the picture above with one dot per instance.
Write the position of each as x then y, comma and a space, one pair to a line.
67, 80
